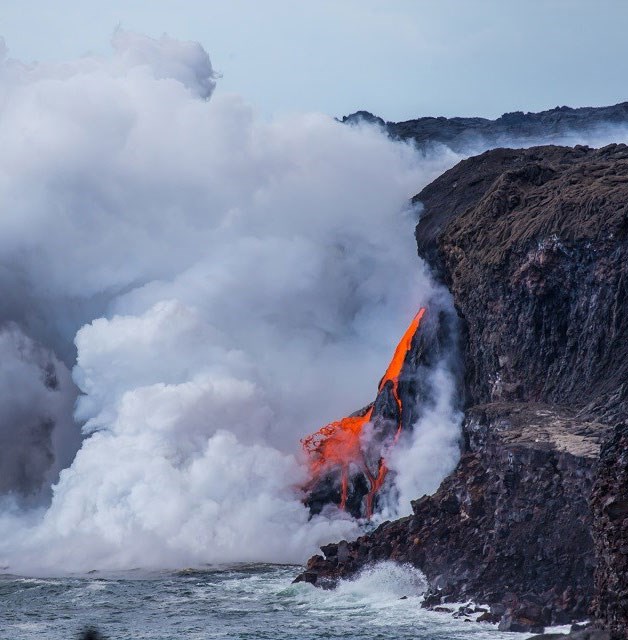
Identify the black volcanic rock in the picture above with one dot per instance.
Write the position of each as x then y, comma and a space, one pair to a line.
463, 134
510, 525
533, 245
610, 509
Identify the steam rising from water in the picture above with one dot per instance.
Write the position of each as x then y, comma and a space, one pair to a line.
221, 286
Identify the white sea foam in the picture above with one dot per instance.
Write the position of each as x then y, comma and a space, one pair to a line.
384, 581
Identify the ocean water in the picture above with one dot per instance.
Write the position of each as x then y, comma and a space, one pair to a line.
242, 601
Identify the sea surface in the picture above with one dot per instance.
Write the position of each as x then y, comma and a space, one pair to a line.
242, 601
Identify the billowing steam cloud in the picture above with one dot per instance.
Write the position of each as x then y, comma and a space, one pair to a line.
222, 286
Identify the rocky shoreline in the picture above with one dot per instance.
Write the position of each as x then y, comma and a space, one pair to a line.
484, 535
533, 246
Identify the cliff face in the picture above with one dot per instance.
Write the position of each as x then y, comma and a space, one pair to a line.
610, 517
510, 526
536, 258
461, 134
532, 244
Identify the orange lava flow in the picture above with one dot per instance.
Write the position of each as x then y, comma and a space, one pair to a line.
396, 364
338, 444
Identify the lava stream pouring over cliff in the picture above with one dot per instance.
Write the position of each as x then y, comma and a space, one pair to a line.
339, 451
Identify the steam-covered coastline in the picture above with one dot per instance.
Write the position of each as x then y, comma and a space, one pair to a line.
208, 287
190, 289
561, 125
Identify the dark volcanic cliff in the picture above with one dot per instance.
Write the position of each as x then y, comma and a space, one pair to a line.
536, 258
533, 246
610, 517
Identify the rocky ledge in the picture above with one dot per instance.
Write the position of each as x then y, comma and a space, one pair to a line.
485, 533
533, 245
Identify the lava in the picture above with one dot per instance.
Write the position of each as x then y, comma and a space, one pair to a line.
338, 444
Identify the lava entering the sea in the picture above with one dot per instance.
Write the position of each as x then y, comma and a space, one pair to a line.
339, 445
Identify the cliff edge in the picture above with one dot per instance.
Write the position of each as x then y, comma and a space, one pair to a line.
533, 245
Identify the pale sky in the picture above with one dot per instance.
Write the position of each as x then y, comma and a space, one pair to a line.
397, 58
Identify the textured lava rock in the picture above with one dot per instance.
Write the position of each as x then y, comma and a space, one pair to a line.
509, 526
610, 508
461, 134
532, 244
535, 254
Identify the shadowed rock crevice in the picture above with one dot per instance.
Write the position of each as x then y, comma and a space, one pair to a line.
610, 509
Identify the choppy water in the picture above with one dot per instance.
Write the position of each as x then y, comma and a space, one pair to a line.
237, 602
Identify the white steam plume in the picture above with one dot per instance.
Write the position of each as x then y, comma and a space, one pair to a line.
238, 282
430, 451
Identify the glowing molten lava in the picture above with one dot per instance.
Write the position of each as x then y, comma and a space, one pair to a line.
338, 444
